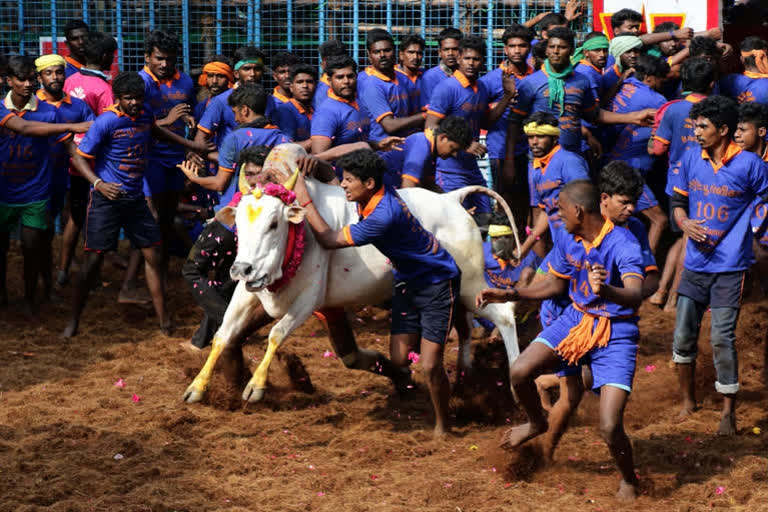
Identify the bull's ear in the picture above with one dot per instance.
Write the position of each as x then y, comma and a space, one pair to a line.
226, 216
294, 214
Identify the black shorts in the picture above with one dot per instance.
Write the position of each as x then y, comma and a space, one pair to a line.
720, 290
105, 218
425, 309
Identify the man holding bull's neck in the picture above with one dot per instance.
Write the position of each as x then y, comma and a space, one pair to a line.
426, 278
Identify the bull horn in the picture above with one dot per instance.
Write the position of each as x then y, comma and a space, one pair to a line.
242, 183
291, 182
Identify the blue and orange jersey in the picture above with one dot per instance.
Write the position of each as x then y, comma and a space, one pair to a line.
747, 87
723, 196
72, 67
160, 96
457, 96
25, 174
294, 120
279, 98
416, 255
429, 82
70, 110
631, 142
419, 156
675, 129
580, 103
761, 211
496, 140
611, 76
219, 120
340, 120
548, 174
637, 228
616, 249
382, 96
417, 80
237, 141
119, 144
500, 274
321, 91
594, 75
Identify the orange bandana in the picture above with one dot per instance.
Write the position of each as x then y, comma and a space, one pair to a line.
220, 68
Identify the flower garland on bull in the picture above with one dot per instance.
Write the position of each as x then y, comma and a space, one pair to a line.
296, 243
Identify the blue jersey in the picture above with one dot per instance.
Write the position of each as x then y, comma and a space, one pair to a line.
120, 146
279, 98
547, 175
321, 91
500, 274
25, 175
420, 157
160, 96
631, 143
637, 228
416, 255
72, 67
383, 96
723, 197
747, 87
237, 141
417, 98
580, 102
496, 140
676, 129
594, 75
610, 78
340, 120
70, 110
430, 80
219, 119
457, 96
616, 249
294, 120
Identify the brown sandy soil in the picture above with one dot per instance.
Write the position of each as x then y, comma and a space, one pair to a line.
70, 440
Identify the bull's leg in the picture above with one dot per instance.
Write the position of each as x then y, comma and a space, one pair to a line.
236, 320
254, 391
503, 315
463, 326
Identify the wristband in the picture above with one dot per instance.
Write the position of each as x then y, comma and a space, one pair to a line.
307, 203
672, 35
98, 180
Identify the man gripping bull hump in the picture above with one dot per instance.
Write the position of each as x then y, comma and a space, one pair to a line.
426, 278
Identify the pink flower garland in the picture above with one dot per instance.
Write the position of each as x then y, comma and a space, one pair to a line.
294, 249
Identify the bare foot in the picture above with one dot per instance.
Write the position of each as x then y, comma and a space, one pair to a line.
686, 412
627, 491
516, 436
441, 432
727, 425
189, 347
70, 331
167, 328
671, 305
658, 299
133, 296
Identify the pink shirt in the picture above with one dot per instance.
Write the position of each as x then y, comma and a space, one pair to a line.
93, 90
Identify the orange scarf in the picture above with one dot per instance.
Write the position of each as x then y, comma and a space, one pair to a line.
220, 68
581, 338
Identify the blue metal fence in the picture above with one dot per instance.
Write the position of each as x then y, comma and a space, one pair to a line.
209, 27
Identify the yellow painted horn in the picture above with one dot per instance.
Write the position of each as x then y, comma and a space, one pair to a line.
242, 183
291, 182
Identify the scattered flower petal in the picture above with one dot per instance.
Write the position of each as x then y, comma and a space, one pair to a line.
118, 456
414, 357
136, 398
756, 431
650, 368
473, 447
321, 494
720, 490
120, 383
328, 354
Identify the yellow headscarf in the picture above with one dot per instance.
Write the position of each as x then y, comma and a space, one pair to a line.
47, 61
541, 129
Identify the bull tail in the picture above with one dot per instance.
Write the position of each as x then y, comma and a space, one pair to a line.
461, 194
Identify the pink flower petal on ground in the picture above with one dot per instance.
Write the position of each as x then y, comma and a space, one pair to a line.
650, 368
413, 357
136, 398
328, 353
374, 477
120, 383
720, 490
321, 494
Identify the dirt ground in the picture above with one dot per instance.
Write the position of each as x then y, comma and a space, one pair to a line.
71, 440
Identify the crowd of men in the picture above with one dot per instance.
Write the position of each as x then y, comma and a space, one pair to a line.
612, 153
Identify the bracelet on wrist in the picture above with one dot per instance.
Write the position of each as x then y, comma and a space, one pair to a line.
99, 180
672, 35
304, 205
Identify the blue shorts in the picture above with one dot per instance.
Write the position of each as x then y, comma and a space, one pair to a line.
719, 290
105, 218
647, 200
612, 365
425, 309
449, 181
160, 178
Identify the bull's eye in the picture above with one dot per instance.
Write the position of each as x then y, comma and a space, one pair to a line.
273, 225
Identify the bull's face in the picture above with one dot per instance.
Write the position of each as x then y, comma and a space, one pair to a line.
262, 232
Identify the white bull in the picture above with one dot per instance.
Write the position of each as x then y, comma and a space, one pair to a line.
340, 278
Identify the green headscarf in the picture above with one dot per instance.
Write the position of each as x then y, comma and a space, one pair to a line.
596, 43
621, 45
557, 84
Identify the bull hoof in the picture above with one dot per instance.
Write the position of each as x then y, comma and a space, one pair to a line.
252, 394
194, 394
